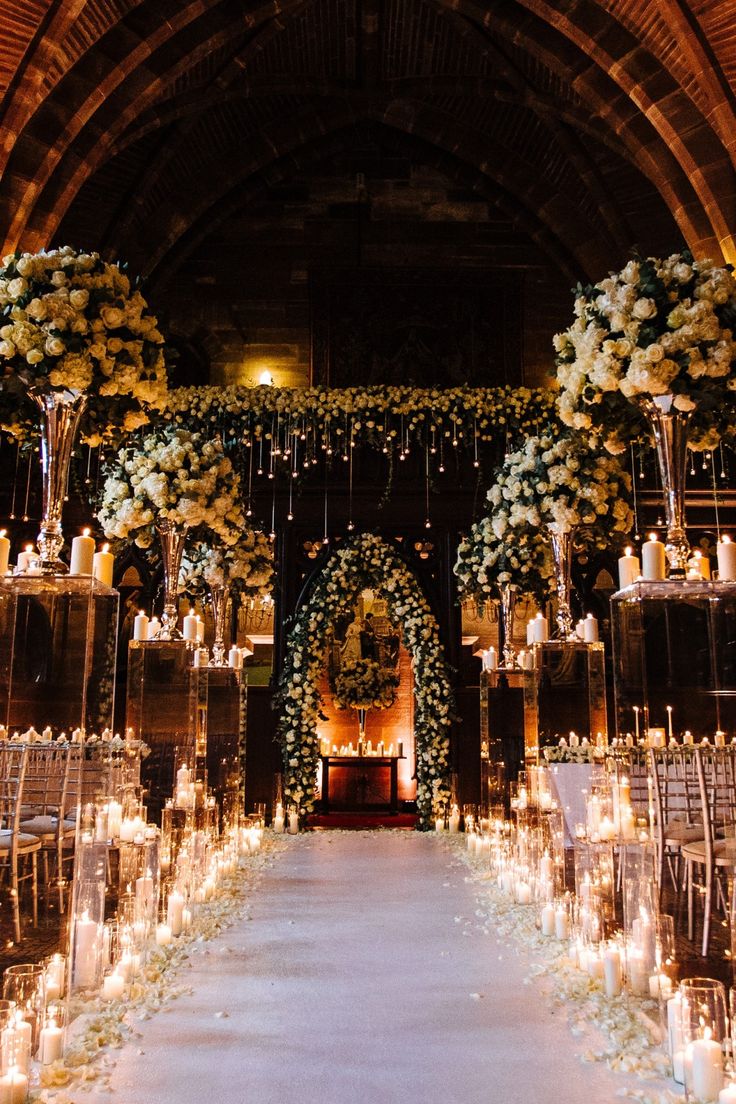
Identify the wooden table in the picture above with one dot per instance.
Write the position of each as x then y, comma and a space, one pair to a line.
367, 762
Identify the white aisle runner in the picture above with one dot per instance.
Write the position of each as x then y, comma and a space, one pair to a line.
362, 977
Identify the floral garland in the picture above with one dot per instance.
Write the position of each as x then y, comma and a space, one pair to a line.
560, 483
365, 684
75, 322
171, 473
365, 561
657, 327
486, 561
374, 415
246, 567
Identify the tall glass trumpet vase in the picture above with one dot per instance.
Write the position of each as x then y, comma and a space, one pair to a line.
61, 411
561, 544
508, 602
669, 430
173, 539
220, 598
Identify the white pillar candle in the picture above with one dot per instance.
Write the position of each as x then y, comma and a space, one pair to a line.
653, 559
580, 630
154, 628
51, 1046
25, 558
113, 986
234, 658
140, 626
530, 631
186, 919
656, 737
707, 1075
175, 912
82, 557
595, 965
548, 920
13, 1086
114, 819
4, 552
454, 821
612, 970
103, 564
200, 629
86, 949
293, 823
189, 627
726, 553
15, 1044
541, 629
629, 569
164, 935
144, 893
490, 659
703, 563
590, 629
660, 987
523, 893
278, 822
674, 1024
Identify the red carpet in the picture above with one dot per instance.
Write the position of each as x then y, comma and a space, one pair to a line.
363, 820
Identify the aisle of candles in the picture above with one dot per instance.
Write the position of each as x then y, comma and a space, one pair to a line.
609, 928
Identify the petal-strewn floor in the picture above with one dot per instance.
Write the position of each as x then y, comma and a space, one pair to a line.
360, 977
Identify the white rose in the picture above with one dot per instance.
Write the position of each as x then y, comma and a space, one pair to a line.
79, 298
54, 346
34, 356
644, 308
17, 287
25, 266
7, 349
112, 317
59, 279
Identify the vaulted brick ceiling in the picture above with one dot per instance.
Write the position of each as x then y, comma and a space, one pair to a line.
139, 125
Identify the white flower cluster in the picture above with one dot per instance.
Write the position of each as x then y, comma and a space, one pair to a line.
561, 484
366, 561
365, 684
246, 566
75, 322
657, 327
519, 558
171, 473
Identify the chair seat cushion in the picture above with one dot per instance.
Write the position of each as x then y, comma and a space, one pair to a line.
724, 852
26, 842
678, 833
46, 826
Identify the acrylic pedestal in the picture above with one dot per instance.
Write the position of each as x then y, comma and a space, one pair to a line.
166, 707
58, 638
674, 644
564, 692
226, 688
501, 733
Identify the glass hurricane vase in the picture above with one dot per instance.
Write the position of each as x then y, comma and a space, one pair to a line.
669, 431
172, 538
561, 544
220, 596
61, 411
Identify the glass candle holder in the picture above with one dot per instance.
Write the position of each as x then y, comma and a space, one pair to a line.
86, 928
704, 1032
51, 1041
25, 985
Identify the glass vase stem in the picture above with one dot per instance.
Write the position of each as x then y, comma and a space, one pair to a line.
669, 429
508, 603
220, 597
172, 539
562, 558
60, 415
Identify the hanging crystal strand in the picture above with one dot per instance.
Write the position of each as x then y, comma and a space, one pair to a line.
634, 493
349, 458
427, 520
715, 496
27, 497
249, 511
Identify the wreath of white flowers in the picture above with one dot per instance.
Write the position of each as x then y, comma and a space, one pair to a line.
366, 561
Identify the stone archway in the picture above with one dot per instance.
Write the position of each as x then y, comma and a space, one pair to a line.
366, 561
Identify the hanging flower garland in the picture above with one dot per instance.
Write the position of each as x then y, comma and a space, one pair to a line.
365, 562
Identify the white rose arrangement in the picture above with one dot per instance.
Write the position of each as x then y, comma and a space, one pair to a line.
561, 484
171, 474
365, 684
488, 560
658, 327
246, 567
75, 322
365, 561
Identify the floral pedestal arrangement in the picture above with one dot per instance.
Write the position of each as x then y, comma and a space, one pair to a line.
674, 660
166, 707
58, 636
564, 695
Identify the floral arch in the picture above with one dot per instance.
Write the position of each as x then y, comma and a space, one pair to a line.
364, 562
